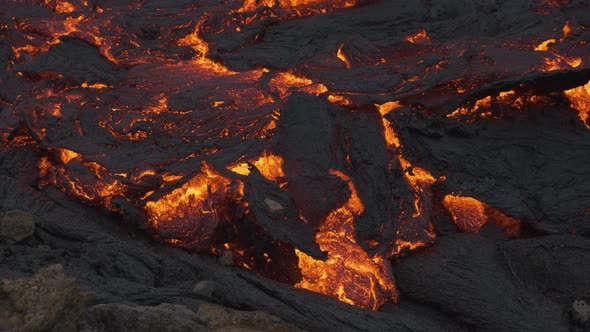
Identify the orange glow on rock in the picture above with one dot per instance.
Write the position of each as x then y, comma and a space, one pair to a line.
299, 7
94, 86
467, 212
67, 155
580, 99
96, 189
189, 90
190, 201
340, 100
269, 165
390, 136
349, 273
419, 37
284, 82
420, 181
544, 46
56, 29
341, 56
470, 215
484, 102
419, 178
200, 46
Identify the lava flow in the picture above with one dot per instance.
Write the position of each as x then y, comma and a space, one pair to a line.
349, 269
257, 131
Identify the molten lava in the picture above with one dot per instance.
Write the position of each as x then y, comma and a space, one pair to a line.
349, 273
420, 37
580, 99
269, 165
189, 212
420, 180
470, 215
170, 116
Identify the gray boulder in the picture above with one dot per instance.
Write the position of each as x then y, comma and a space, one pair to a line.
15, 226
48, 301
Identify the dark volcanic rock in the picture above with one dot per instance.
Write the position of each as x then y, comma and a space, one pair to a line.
528, 165
370, 161
557, 266
466, 277
81, 61
284, 223
307, 142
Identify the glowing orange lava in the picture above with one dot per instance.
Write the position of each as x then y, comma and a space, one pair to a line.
300, 7
470, 215
188, 214
342, 57
183, 109
580, 98
419, 37
349, 273
269, 165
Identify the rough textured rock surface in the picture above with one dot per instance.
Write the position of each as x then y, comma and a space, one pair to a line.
120, 317
48, 301
15, 226
557, 266
220, 319
162, 86
509, 164
466, 277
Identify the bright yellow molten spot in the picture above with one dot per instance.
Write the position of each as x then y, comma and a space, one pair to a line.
341, 56
544, 46
580, 98
66, 155
483, 102
340, 100
390, 136
94, 86
270, 166
421, 36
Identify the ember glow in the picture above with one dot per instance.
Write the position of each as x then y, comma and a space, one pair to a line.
349, 273
470, 215
176, 123
580, 98
191, 208
421, 36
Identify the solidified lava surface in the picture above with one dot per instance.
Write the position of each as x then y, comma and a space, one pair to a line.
314, 141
